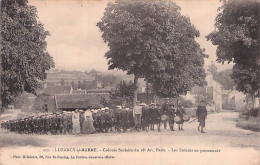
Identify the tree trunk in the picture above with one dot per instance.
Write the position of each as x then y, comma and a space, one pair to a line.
258, 52
147, 94
177, 102
135, 90
154, 98
253, 99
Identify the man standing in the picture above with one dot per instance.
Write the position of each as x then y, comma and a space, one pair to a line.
171, 117
201, 114
165, 111
137, 113
118, 118
124, 119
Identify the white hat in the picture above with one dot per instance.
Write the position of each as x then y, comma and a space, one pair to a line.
127, 109
119, 107
102, 109
106, 108
142, 104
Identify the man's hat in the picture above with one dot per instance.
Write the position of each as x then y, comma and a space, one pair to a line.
106, 108
142, 104
102, 109
119, 107
167, 98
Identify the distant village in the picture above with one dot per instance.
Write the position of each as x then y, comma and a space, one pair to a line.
70, 90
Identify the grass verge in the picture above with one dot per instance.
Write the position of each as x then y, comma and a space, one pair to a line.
10, 139
253, 123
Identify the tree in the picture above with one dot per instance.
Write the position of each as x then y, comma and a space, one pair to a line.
93, 72
25, 59
181, 75
237, 39
79, 85
224, 78
22, 101
147, 36
72, 83
62, 82
123, 93
213, 69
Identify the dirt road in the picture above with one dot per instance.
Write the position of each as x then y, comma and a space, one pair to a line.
223, 143
220, 130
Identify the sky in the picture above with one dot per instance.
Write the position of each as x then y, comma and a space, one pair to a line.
75, 42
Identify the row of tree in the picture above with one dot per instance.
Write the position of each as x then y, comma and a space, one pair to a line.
147, 38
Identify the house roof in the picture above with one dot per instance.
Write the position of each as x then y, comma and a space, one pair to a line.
104, 91
77, 101
53, 90
78, 91
226, 92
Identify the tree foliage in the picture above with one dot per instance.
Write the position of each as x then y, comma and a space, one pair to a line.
151, 39
237, 39
213, 69
122, 94
224, 78
108, 80
23, 50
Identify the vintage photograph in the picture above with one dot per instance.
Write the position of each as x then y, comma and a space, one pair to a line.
148, 82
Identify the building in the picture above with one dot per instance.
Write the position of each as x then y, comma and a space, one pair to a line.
77, 101
79, 91
54, 90
214, 92
190, 96
237, 100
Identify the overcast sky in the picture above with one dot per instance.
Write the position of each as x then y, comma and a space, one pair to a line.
76, 44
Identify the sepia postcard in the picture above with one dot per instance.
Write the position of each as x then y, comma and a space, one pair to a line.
148, 82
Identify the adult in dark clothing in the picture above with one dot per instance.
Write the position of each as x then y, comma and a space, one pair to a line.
81, 119
180, 112
155, 117
103, 119
95, 123
201, 114
108, 119
130, 119
118, 119
111, 119
99, 124
171, 117
123, 119
145, 118
165, 111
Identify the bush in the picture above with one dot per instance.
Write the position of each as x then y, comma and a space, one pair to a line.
253, 123
251, 113
187, 103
